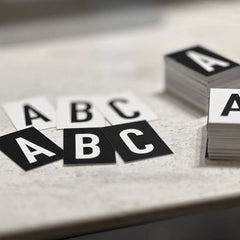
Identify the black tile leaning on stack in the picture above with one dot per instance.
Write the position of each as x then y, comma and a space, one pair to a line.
191, 72
224, 124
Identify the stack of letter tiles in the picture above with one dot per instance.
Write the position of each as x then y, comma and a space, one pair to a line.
224, 124
191, 72
87, 137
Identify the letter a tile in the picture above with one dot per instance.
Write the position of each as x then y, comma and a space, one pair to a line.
202, 60
224, 106
36, 112
29, 148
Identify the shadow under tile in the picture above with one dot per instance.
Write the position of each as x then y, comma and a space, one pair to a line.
180, 103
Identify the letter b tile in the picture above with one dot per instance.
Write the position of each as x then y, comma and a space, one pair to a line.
87, 146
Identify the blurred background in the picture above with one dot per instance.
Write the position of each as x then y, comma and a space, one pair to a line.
73, 17
122, 39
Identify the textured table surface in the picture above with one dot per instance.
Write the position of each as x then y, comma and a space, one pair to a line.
59, 201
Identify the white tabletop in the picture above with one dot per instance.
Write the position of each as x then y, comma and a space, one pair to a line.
57, 201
